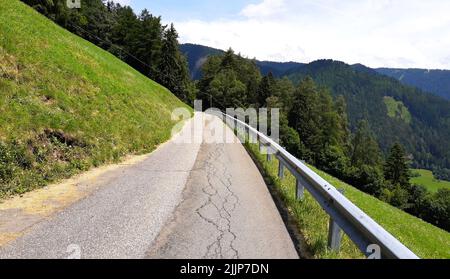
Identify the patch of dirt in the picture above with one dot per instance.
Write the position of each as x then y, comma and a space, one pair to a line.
9, 67
47, 100
64, 138
5, 238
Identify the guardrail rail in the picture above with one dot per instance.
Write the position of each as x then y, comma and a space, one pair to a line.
368, 235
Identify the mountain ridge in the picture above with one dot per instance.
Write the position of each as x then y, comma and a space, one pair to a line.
435, 81
425, 135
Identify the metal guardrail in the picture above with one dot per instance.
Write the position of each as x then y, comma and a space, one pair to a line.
368, 235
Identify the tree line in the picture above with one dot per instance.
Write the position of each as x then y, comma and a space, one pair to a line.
314, 125
425, 130
142, 41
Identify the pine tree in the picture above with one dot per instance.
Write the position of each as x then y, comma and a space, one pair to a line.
329, 121
397, 169
172, 69
265, 89
123, 35
305, 119
227, 89
149, 43
341, 108
229, 60
365, 148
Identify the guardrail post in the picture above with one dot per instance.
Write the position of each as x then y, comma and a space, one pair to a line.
269, 156
299, 191
261, 147
280, 169
334, 234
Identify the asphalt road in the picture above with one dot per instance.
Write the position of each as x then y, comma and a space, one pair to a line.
186, 200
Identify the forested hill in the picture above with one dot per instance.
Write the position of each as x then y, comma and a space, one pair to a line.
396, 112
198, 54
420, 121
433, 81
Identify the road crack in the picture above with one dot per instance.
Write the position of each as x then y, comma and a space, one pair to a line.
223, 201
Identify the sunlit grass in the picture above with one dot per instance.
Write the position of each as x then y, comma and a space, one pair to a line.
424, 239
427, 179
52, 80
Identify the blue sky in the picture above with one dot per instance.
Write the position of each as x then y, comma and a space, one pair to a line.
177, 10
377, 33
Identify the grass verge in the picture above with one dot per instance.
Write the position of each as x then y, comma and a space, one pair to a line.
424, 239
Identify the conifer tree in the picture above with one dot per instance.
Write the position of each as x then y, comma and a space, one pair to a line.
396, 169
365, 148
172, 69
305, 119
265, 89
341, 109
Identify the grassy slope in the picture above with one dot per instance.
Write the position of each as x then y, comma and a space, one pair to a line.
428, 180
396, 109
426, 240
66, 105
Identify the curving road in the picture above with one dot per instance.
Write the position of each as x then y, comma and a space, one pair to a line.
190, 198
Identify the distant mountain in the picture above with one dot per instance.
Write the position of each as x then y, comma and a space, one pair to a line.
432, 81
278, 69
436, 82
396, 112
197, 55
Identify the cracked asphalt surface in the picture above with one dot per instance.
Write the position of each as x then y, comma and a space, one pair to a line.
186, 200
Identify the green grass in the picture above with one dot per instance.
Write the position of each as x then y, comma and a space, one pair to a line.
66, 105
427, 179
424, 239
396, 109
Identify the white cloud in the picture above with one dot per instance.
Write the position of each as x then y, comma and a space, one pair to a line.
263, 9
400, 33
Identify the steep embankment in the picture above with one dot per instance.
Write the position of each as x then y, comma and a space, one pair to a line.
66, 105
424, 239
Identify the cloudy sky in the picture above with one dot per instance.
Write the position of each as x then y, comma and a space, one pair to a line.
377, 33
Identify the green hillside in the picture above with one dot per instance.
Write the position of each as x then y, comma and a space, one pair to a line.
396, 112
427, 179
424, 239
66, 105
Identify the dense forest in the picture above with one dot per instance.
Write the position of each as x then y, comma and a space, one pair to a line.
197, 55
395, 112
332, 115
426, 135
433, 81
